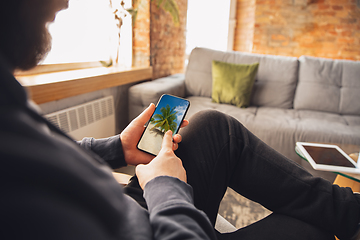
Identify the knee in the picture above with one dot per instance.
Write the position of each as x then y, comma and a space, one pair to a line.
208, 115
205, 119
213, 118
217, 123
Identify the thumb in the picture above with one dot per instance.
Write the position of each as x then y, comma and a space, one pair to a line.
145, 115
143, 174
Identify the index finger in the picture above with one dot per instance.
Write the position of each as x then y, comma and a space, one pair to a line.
184, 123
167, 142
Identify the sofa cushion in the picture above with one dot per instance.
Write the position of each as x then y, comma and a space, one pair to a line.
141, 95
204, 103
232, 83
275, 81
328, 85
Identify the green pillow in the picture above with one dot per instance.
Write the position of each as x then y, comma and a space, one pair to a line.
233, 83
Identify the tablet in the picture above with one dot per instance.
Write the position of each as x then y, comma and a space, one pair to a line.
327, 157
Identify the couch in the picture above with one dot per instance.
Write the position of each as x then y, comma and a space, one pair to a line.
293, 99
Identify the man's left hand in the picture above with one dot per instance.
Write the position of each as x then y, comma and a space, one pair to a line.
131, 136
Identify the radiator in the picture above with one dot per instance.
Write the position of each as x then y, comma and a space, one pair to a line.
92, 119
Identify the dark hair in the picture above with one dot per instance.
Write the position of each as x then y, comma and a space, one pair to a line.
9, 28
20, 41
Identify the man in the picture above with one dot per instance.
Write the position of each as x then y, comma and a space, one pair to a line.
53, 188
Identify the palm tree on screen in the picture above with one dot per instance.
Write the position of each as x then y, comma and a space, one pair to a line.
166, 120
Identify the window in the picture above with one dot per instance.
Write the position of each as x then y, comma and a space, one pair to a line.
207, 24
87, 32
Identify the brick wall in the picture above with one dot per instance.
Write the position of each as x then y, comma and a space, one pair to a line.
245, 22
141, 34
321, 28
167, 41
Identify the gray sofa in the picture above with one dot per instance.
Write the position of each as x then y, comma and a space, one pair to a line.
293, 99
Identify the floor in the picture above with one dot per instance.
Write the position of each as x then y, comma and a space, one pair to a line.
240, 211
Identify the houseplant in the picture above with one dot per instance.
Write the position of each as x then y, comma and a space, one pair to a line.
120, 13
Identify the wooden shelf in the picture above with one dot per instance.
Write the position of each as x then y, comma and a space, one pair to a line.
54, 86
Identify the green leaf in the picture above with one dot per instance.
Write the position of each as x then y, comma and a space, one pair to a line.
166, 120
107, 63
159, 2
171, 7
133, 12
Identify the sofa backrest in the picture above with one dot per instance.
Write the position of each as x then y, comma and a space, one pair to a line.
328, 85
275, 82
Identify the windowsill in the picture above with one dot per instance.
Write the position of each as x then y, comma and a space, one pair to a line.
58, 85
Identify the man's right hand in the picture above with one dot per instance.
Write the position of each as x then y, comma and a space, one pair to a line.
166, 163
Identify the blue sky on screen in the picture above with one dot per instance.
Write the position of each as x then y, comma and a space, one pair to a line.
173, 101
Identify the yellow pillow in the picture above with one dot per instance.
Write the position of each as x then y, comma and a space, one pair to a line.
233, 83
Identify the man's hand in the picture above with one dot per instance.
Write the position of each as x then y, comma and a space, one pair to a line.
166, 163
131, 136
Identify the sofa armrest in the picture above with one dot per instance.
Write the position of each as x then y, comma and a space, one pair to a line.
141, 95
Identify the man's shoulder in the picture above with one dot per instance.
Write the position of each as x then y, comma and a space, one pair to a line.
53, 172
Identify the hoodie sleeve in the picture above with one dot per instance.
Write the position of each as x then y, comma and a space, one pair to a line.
172, 211
109, 149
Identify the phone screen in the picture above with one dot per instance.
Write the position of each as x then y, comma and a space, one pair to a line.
169, 113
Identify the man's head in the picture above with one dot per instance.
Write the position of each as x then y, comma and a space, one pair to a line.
25, 39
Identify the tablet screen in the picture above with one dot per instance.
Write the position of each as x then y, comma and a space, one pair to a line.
328, 156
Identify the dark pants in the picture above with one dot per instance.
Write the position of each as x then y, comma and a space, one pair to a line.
219, 152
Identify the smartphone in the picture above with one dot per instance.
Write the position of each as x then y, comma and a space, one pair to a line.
169, 113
